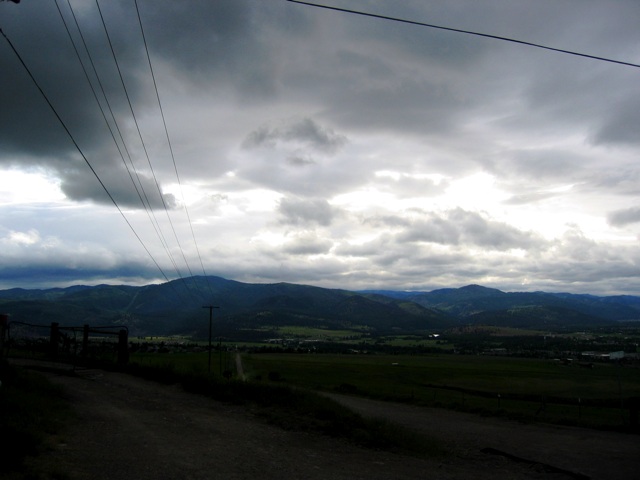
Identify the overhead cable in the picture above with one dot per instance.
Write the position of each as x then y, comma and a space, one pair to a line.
106, 99
104, 116
141, 191
73, 140
468, 32
144, 147
173, 158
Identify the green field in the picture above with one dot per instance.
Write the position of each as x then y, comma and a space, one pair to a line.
188, 363
530, 389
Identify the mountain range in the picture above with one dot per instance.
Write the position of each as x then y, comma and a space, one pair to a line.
250, 310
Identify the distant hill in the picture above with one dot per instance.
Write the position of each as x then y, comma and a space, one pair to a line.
176, 307
475, 299
536, 317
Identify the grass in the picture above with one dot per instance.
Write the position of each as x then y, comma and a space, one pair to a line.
32, 413
530, 389
281, 391
296, 409
316, 333
527, 389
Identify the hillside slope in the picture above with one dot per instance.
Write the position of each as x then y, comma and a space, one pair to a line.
176, 307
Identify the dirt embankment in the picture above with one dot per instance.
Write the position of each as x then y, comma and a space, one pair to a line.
131, 428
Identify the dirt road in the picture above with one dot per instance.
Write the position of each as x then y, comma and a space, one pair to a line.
583, 452
131, 428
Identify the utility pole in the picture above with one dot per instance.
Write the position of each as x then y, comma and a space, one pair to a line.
210, 307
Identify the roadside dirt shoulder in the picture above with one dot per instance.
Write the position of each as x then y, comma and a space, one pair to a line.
580, 453
131, 428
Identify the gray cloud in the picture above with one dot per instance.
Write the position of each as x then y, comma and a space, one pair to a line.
461, 227
389, 221
295, 211
207, 43
622, 125
307, 243
624, 217
382, 246
542, 163
80, 185
272, 100
300, 161
304, 133
625, 180
298, 156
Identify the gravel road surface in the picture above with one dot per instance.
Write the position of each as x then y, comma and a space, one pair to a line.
130, 428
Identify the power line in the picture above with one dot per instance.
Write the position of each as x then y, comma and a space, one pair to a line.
86, 160
95, 95
144, 147
146, 203
468, 32
166, 131
104, 116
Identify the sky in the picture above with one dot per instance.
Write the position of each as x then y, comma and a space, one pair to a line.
313, 146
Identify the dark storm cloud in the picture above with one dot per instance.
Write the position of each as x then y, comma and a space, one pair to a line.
32, 134
29, 125
416, 43
56, 273
208, 42
205, 41
386, 76
81, 185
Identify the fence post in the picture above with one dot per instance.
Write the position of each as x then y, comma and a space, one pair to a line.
123, 347
4, 321
85, 341
54, 338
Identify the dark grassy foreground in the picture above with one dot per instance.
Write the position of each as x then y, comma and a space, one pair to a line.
33, 412
296, 409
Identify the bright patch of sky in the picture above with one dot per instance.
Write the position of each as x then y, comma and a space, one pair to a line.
23, 187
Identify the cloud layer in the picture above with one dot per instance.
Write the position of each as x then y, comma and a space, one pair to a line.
308, 145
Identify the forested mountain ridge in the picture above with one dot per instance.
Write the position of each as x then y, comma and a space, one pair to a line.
176, 307
472, 300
